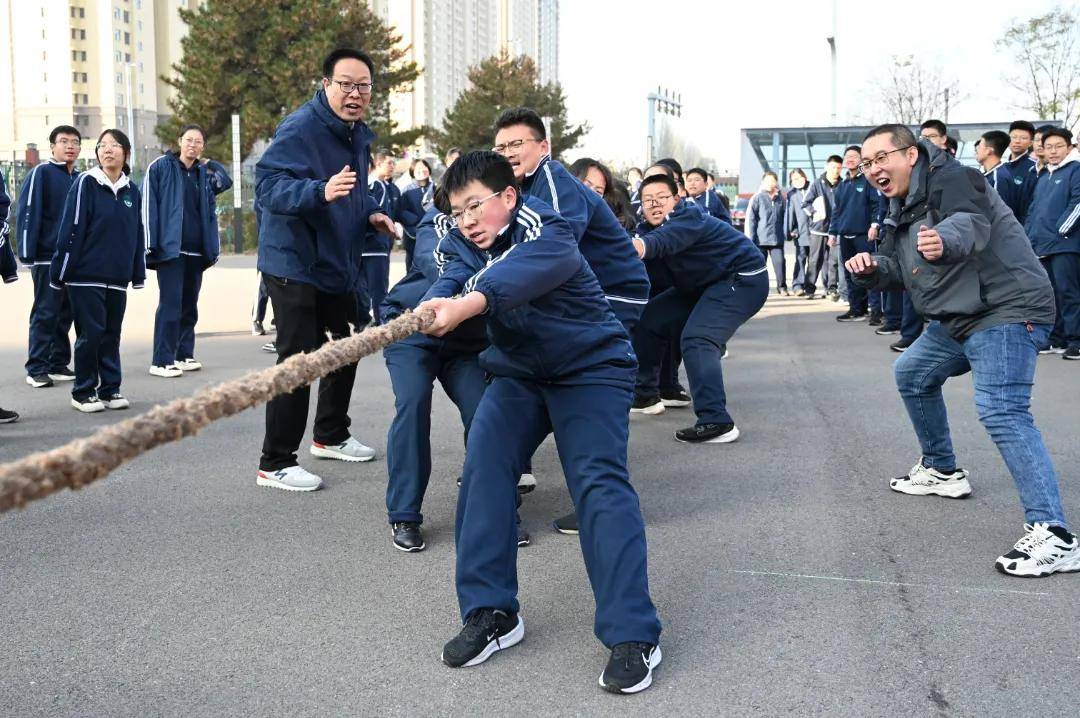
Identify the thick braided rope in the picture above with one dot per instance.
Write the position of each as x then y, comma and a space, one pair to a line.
84, 460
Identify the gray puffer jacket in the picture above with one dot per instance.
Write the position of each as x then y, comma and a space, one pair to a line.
988, 274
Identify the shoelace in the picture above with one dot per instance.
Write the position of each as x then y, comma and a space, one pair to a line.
1034, 540
625, 653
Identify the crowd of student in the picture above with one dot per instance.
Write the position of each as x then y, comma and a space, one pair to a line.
564, 301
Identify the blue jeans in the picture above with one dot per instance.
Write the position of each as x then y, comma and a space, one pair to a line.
1001, 360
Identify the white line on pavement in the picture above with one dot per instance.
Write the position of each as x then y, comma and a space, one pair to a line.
970, 589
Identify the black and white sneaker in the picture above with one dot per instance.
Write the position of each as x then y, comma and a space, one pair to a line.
566, 524
62, 374
1052, 349
901, 345
115, 401
523, 537
708, 434
486, 631
89, 405
921, 481
1041, 551
876, 319
269, 348
1072, 353
39, 381
629, 670
850, 316
8, 417
257, 329
526, 483
647, 405
675, 398
887, 329
407, 536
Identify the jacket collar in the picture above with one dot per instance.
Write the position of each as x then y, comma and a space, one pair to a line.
342, 130
99, 174
539, 165
1073, 156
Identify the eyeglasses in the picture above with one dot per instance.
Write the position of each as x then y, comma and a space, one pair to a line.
109, 146
878, 160
64, 142
656, 201
473, 210
1055, 148
193, 142
364, 88
512, 146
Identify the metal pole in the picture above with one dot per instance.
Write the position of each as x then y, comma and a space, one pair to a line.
238, 182
946, 106
650, 140
128, 68
831, 39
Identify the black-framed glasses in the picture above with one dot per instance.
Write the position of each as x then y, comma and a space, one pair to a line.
656, 201
364, 88
878, 160
512, 146
67, 142
473, 210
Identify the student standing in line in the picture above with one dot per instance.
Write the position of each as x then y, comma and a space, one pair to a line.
818, 204
561, 363
416, 200
41, 202
99, 252
857, 214
989, 150
375, 259
797, 224
765, 219
697, 189
9, 269
180, 223
1021, 164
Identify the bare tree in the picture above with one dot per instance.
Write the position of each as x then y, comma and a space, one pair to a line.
911, 92
1047, 54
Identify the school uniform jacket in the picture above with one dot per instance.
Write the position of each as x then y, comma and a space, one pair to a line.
415, 202
9, 268
858, 206
547, 317
699, 250
825, 192
1025, 174
712, 205
1053, 220
797, 221
1001, 179
163, 208
765, 219
100, 240
603, 241
377, 244
41, 202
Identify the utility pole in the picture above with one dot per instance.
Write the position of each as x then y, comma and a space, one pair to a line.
238, 182
831, 39
666, 102
128, 70
946, 106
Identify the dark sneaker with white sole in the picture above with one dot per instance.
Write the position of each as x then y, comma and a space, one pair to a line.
8, 417
40, 381
675, 398
1072, 353
850, 316
566, 524
407, 536
708, 434
629, 670
62, 374
1041, 551
486, 631
647, 404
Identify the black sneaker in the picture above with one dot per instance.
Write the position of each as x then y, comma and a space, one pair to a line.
257, 329
886, 329
629, 670
850, 316
901, 345
524, 539
676, 398
647, 404
486, 631
39, 381
876, 320
8, 417
407, 536
811, 295
62, 374
1071, 353
566, 524
708, 434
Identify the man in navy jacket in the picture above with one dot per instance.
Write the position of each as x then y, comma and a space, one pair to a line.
988, 152
1053, 226
698, 191
1022, 163
859, 211
41, 203
561, 363
312, 186
9, 269
818, 204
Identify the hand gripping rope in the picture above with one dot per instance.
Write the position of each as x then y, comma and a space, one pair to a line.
82, 461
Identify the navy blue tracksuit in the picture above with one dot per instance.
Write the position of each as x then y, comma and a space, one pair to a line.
1025, 175
415, 202
720, 281
710, 202
375, 262
9, 268
414, 365
99, 251
1008, 187
858, 206
41, 202
561, 363
180, 229
1053, 226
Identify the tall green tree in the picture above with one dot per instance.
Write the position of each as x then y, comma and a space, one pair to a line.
1046, 54
262, 59
498, 83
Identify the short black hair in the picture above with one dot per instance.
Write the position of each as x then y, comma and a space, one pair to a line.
659, 179
936, 125
186, 128
346, 53
853, 148
667, 170
63, 130
484, 166
419, 161
951, 144
380, 155
835, 158
1023, 125
1058, 132
634, 169
521, 116
997, 141
770, 173
699, 172
900, 135
1041, 130
672, 163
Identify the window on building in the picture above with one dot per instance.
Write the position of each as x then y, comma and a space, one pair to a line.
74, 55
82, 34
116, 35
73, 11
127, 57
116, 56
82, 12
84, 77
127, 38
127, 16
119, 79
140, 66
139, 25
142, 90
82, 55
116, 13
120, 101
140, 45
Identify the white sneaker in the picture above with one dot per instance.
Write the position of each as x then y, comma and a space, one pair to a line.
116, 401
921, 481
1040, 552
526, 483
292, 478
92, 405
348, 450
167, 372
189, 364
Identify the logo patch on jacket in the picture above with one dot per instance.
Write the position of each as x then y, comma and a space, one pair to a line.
859, 189
1018, 180
127, 201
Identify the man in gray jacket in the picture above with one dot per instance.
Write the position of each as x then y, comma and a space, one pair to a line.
958, 249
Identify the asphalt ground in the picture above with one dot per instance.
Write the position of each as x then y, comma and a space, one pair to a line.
790, 580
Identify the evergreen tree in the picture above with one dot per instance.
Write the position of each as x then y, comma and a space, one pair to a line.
498, 83
263, 60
